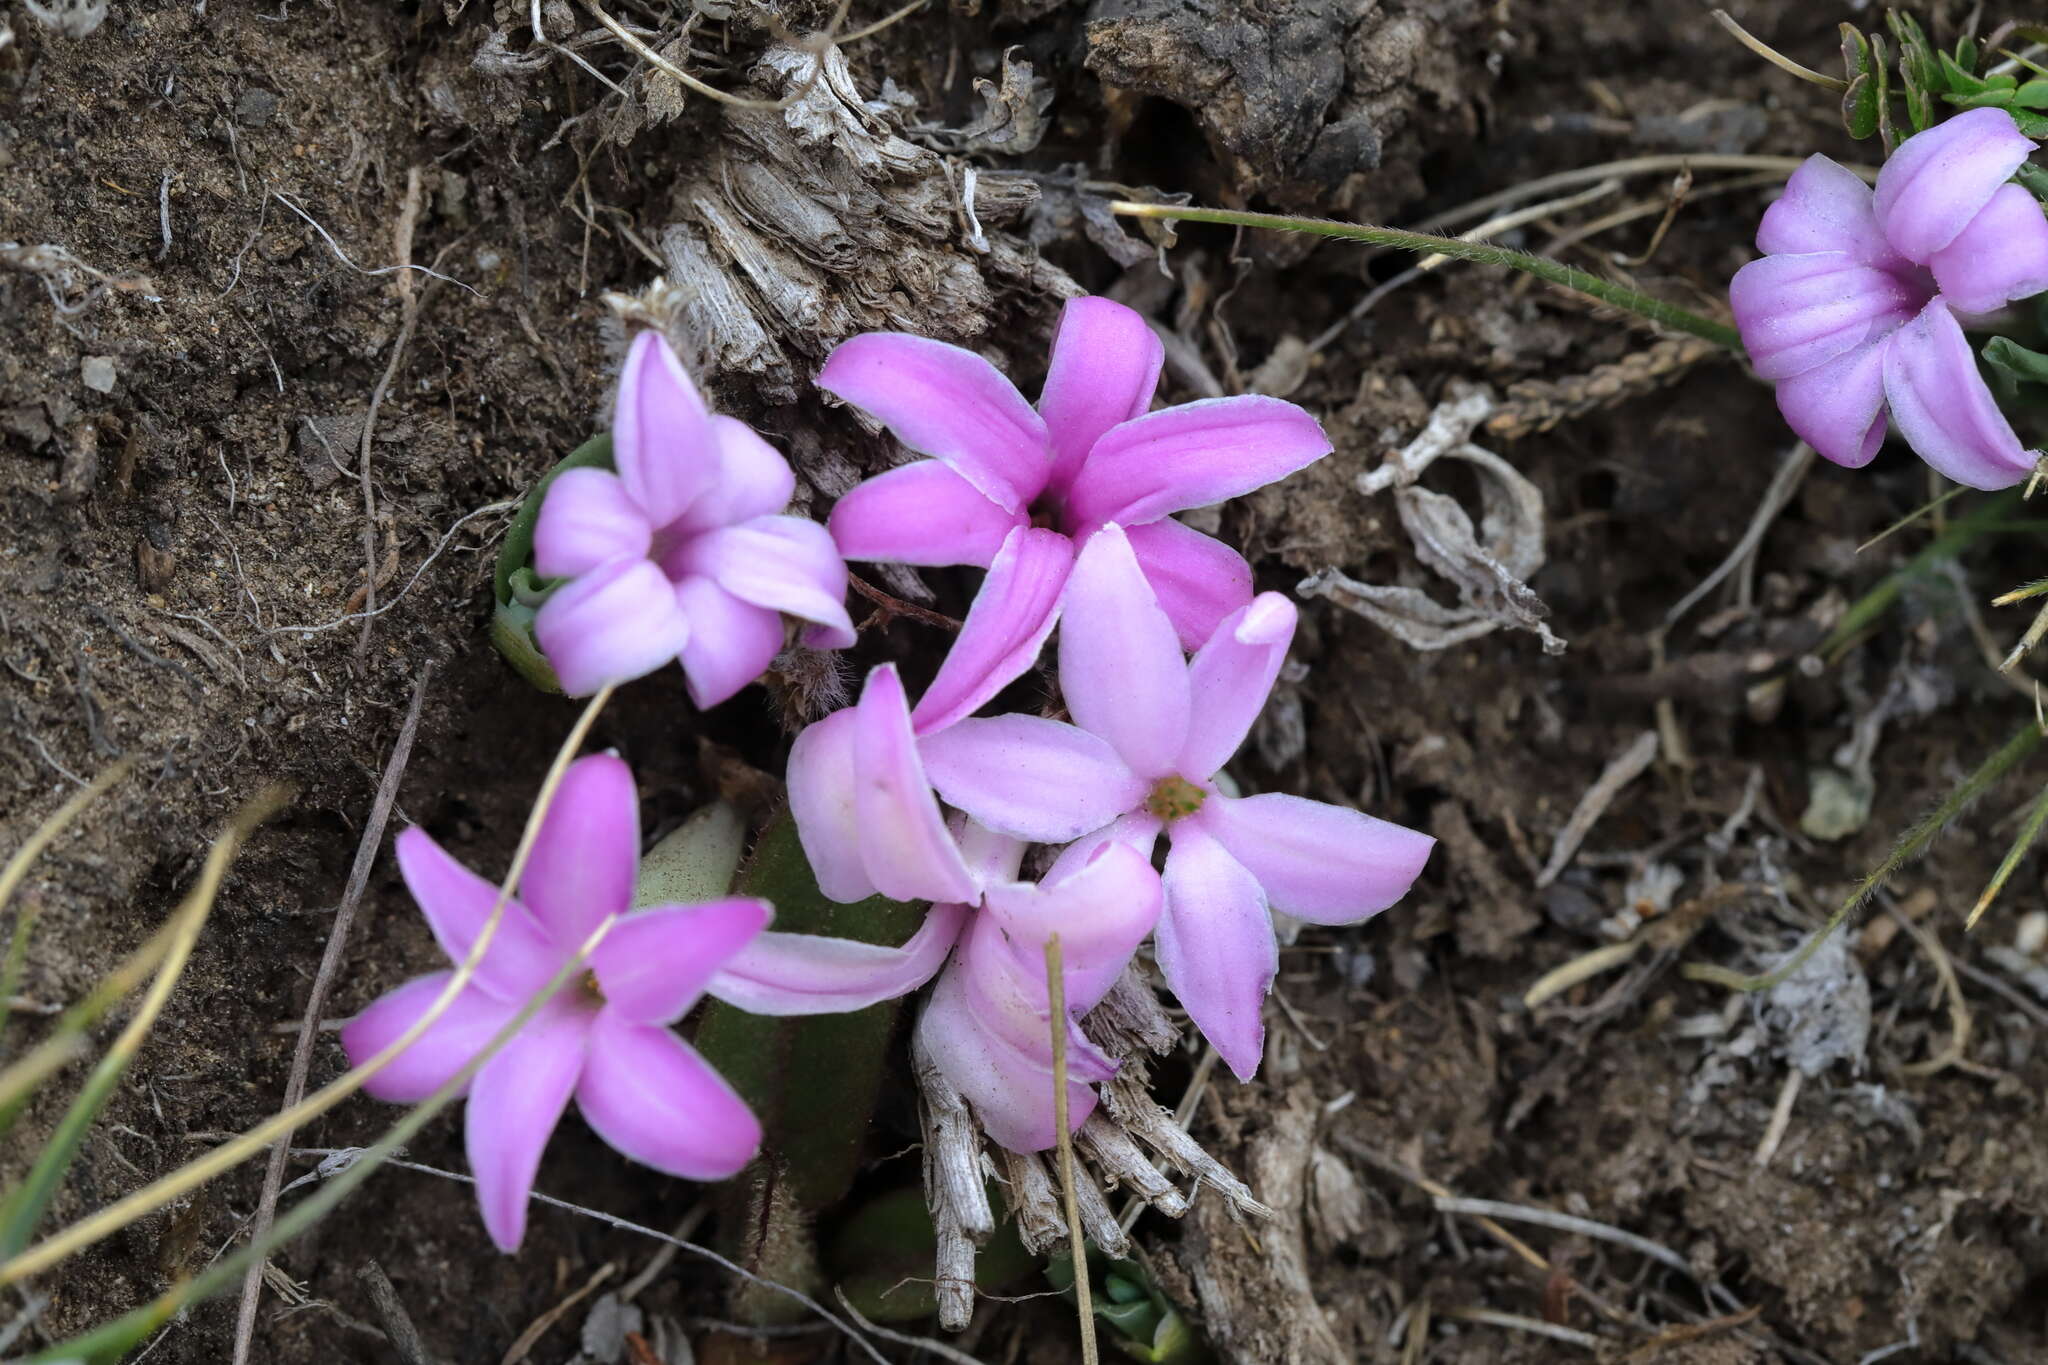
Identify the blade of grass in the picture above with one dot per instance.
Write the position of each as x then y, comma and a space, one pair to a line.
1480, 253
2036, 817
1056, 999
232, 1153
24, 857
25, 1205
1915, 839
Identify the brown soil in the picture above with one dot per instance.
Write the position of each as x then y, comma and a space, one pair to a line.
185, 544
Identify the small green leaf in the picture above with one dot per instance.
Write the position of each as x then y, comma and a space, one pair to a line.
1966, 54
517, 551
2032, 95
2014, 363
1855, 53
1919, 71
1881, 69
1859, 107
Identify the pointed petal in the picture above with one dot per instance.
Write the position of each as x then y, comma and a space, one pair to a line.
1937, 181
457, 903
2000, 256
586, 856
1031, 778
1198, 579
1825, 207
903, 838
1105, 368
1322, 863
753, 480
822, 782
612, 625
948, 403
1005, 629
1215, 945
661, 432
654, 1099
586, 519
922, 513
1192, 455
1121, 668
787, 564
1101, 913
471, 1020
991, 856
1943, 408
786, 974
654, 963
514, 1103
1230, 679
1799, 312
731, 642
1838, 408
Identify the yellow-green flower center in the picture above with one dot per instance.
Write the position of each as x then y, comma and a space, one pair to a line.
591, 991
1174, 797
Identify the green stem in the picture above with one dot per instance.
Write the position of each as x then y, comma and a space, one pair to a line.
1479, 253
1916, 839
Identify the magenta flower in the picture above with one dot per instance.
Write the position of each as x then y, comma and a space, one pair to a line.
988, 1022
605, 1040
681, 554
1015, 490
1151, 731
1852, 311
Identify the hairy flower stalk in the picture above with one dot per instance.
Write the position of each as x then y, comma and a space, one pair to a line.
1853, 310
683, 553
605, 1039
1017, 490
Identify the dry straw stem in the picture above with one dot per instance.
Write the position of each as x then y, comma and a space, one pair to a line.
25, 1205
1056, 998
1775, 57
230, 1154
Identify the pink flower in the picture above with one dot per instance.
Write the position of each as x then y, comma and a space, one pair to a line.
1151, 731
605, 1040
988, 1022
681, 554
1016, 490
1852, 311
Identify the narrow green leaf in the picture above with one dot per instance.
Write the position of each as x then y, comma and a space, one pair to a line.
1859, 107
2014, 363
2029, 832
517, 551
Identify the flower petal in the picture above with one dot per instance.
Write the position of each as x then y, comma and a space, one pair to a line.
1230, 678
1938, 180
1322, 863
586, 857
731, 642
2001, 255
822, 785
1799, 312
949, 403
471, 1020
1016, 608
1104, 370
1121, 668
1192, 455
1198, 579
787, 564
753, 480
457, 903
1825, 207
1101, 913
1943, 408
785, 974
654, 963
1215, 946
662, 442
1139, 830
587, 518
514, 1104
1838, 407
921, 513
903, 838
614, 624
652, 1097
1031, 778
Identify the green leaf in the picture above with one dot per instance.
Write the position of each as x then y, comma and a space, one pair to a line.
2032, 95
1960, 81
1859, 106
517, 551
1881, 70
2013, 365
1966, 55
1919, 70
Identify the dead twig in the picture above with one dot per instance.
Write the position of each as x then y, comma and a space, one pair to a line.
1625, 768
405, 1338
316, 1000
1056, 999
525, 1342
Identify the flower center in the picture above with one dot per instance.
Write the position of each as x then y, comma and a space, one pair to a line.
589, 991
1047, 512
1174, 797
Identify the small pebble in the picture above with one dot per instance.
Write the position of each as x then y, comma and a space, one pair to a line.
98, 373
